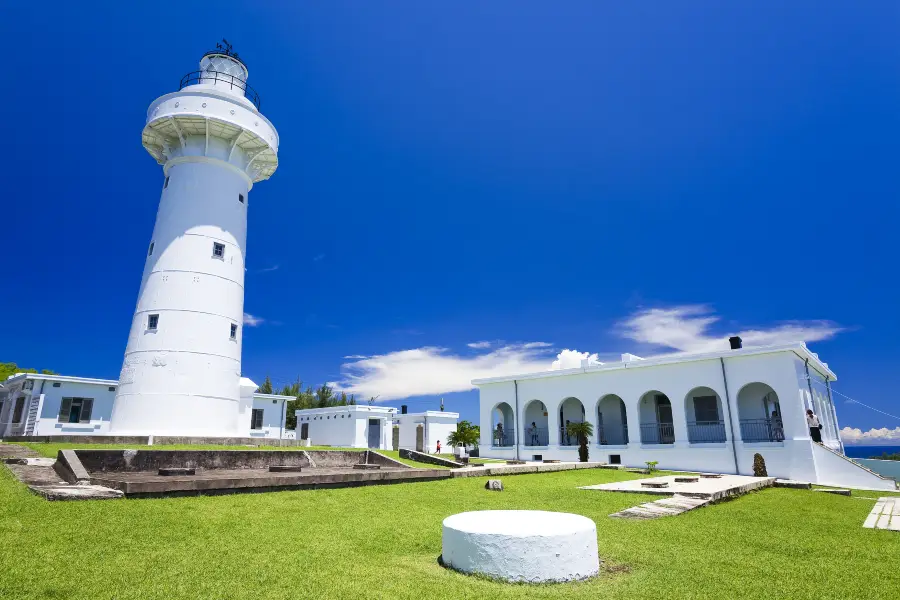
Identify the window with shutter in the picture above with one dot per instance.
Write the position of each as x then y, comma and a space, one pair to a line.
18, 410
256, 419
64, 409
87, 404
706, 408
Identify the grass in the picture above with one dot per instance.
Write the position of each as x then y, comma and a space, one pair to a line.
383, 542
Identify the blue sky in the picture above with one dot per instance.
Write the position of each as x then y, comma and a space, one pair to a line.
606, 177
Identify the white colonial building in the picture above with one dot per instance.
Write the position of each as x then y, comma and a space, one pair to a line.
422, 431
33, 404
351, 426
699, 412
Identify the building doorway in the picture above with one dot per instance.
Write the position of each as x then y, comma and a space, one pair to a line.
374, 433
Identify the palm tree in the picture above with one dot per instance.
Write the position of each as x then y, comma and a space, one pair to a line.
583, 432
466, 434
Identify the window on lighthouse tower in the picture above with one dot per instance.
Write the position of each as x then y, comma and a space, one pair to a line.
152, 322
218, 250
233, 331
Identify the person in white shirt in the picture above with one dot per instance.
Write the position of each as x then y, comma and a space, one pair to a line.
815, 427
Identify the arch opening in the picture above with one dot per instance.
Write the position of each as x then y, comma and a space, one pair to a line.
759, 412
657, 422
704, 415
503, 425
535, 424
612, 421
571, 410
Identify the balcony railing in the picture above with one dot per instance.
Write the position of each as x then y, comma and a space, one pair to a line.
502, 439
612, 436
706, 432
565, 439
762, 430
657, 433
536, 436
219, 78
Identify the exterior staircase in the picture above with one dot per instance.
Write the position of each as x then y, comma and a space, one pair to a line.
34, 412
834, 468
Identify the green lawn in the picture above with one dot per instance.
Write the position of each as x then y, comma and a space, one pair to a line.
383, 542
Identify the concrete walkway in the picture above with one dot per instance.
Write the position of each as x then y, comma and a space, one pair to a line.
667, 507
712, 488
885, 515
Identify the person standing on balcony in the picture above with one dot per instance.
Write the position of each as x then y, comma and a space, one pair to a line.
499, 434
815, 427
534, 434
777, 427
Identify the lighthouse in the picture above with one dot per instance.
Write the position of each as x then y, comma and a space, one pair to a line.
182, 369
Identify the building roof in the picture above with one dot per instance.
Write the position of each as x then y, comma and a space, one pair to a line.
273, 396
60, 378
358, 408
798, 348
429, 413
19, 377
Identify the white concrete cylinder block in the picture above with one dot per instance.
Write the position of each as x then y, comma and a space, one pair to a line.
521, 545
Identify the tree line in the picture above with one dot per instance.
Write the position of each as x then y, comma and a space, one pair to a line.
323, 396
9, 369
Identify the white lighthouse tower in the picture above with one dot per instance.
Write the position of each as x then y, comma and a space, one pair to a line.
182, 368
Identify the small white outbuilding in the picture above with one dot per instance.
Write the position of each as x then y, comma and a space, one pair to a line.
353, 426
421, 431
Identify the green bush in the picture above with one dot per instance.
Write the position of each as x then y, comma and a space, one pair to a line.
759, 466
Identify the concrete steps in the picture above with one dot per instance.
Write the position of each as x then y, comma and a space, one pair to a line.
666, 507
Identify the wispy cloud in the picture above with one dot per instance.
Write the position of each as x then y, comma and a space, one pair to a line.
688, 329
251, 321
883, 436
431, 370
270, 269
318, 257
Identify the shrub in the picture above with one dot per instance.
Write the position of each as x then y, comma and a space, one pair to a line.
759, 466
651, 465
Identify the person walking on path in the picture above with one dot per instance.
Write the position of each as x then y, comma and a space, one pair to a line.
438, 447
815, 427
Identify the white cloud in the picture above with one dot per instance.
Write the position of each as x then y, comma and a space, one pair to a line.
687, 329
537, 345
270, 269
571, 359
883, 436
430, 370
251, 321
318, 257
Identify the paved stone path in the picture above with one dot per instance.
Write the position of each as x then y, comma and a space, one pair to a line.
16, 451
667, 507
885, 515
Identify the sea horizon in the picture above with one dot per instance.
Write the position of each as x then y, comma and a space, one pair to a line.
869, 451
